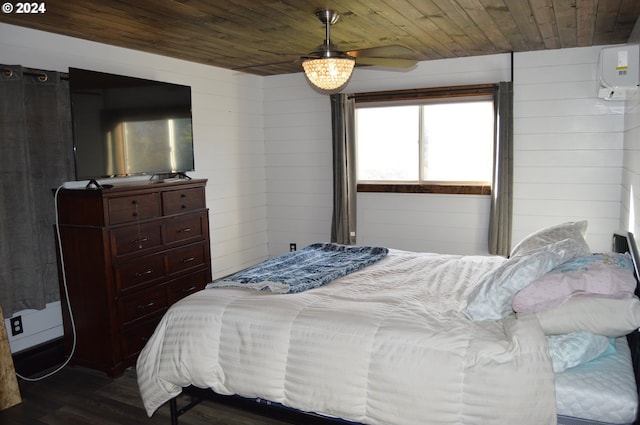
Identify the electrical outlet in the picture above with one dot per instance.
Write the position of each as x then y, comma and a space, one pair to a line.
292, 247
16, 325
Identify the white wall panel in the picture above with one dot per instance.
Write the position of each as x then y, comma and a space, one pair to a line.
630, 208
435, 223
596, 158
568, 107
568, 145
571, 141
569, 124
572, 192
570, 175
298, 163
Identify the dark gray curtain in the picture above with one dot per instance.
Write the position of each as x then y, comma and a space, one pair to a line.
35, 157
343, 223
500, 219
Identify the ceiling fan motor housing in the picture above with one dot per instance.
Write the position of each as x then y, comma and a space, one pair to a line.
327, 16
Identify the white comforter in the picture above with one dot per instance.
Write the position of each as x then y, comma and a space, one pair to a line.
385, 345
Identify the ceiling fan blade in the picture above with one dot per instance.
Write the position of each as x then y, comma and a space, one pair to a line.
388, 62
392, 51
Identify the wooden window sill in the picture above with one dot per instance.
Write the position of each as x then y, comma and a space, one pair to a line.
442, 188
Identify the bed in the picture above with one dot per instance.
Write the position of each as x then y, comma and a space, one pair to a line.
414, 338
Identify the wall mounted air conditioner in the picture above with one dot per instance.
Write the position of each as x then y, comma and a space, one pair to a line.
619, 72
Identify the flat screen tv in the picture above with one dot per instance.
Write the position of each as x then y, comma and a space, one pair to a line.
125, 126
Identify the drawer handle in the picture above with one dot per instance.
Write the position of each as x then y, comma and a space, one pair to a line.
184, 207
134, 202
183, 195
185, 230
192, 288
146, 306
145, 273
188, 260
139, 241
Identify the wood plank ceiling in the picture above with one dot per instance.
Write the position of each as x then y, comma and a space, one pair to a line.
243, 34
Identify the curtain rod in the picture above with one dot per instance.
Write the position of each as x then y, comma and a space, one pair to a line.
41, 74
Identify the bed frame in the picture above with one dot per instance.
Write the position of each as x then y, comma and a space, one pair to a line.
620, 243
627, 243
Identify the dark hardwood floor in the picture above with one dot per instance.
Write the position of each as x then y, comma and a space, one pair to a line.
79, 396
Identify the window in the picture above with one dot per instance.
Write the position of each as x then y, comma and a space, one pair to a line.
439, 141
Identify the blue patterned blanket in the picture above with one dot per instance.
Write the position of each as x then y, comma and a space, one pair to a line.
308, 268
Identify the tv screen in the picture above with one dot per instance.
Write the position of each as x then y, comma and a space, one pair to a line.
126, 126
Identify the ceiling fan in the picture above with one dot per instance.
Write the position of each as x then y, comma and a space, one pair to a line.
383, 55
329, 68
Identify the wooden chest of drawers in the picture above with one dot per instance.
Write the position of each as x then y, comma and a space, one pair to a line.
129, 252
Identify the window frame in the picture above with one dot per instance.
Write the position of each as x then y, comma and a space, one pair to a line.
402, 96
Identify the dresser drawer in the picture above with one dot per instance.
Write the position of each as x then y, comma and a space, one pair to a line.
185, 228
132, 208
126, 240
186, 257
178, 201
142, 304
135, 337
139, 271
187, 285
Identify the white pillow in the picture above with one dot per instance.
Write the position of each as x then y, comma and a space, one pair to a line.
600, 316
607, 275
491, 297
573, 349
575, 230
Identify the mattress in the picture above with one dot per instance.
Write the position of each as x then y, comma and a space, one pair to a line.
600, 391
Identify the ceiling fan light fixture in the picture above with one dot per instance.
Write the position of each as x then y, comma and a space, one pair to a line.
329, 73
